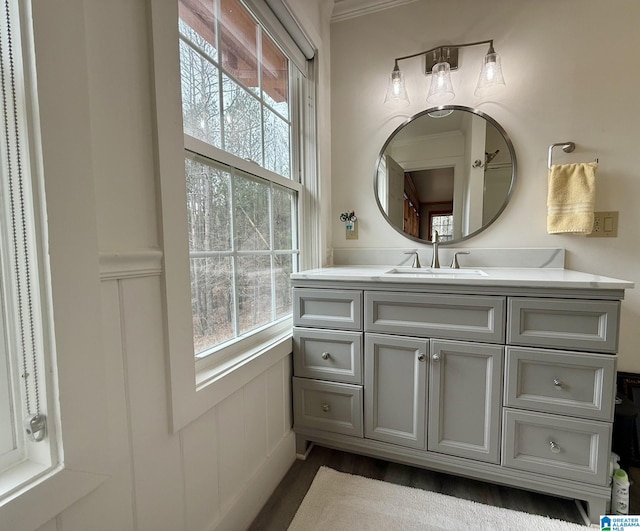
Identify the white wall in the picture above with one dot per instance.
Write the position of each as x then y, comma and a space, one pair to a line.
208, 473
313, 16
571, 73
96, 86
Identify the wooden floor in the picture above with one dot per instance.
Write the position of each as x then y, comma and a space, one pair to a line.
282, 505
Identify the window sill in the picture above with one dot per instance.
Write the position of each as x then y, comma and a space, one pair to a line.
242, 353
40, 500
198, 391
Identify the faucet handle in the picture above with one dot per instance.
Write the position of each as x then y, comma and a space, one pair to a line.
416, 259
454, 262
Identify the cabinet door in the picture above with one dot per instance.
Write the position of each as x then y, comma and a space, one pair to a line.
464, 399
395, 381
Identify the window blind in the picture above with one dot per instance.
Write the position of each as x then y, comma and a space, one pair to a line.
19, 259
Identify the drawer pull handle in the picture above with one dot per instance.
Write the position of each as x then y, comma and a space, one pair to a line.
422, 357
326, 355
557, 383
435, 357
325, 408
554, 447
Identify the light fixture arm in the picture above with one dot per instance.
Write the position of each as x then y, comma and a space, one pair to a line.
442, 47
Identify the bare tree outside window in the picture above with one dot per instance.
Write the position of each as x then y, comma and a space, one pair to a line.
242, 227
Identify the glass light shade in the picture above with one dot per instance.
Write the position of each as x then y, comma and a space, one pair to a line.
396, 91
491, 73
439, 112
441, 89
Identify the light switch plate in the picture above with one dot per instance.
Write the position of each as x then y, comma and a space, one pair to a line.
605, 225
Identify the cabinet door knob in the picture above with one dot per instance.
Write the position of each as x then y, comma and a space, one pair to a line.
435, 357
554, 447
325, 408
557, 383
326, 355
422, 357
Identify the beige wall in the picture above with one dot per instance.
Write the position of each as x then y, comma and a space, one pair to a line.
571, 73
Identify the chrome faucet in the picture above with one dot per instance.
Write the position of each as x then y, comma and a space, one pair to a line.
435, 240
416, 259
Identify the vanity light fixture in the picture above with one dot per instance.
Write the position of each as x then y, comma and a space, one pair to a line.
439, 62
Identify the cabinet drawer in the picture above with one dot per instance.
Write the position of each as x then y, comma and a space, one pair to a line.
565, 324
474, 317
557, 446
328, 355
560, 382
327, 308
327, 406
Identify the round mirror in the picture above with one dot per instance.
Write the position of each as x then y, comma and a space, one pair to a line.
450, 169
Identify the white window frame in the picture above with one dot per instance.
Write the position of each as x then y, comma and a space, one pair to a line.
71, 283
196, 387
221, 354
33, 332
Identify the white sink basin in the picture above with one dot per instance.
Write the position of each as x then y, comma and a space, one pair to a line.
437, 272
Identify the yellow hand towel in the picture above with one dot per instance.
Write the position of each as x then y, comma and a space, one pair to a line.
571, 198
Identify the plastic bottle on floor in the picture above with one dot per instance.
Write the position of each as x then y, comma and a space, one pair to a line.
620, 492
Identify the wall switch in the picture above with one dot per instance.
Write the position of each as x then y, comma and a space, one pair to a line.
605, 225
352, 234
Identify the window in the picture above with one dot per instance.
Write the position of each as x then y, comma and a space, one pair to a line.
240, 105
238, 187
27, 432
443, 223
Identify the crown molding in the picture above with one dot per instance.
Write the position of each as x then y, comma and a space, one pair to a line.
346, 9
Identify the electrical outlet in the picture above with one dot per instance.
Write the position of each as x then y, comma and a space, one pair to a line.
352, 234
605, 225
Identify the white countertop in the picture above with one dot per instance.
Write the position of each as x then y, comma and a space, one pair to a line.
542, 277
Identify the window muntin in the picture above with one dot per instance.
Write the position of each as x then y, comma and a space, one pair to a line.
241, 103
200, 96
239, 43
242, 222
243, 247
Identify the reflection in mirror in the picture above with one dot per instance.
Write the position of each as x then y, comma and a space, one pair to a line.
450, 169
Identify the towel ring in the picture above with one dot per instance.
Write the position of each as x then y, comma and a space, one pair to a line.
567, 147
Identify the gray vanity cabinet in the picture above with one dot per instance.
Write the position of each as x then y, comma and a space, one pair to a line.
465, 403
508, 384
395, 384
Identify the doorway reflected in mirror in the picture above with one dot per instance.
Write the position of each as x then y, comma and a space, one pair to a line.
453, 173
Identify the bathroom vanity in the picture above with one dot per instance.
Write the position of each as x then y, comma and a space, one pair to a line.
504, 375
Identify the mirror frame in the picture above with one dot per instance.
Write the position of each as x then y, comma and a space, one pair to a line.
512, 153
